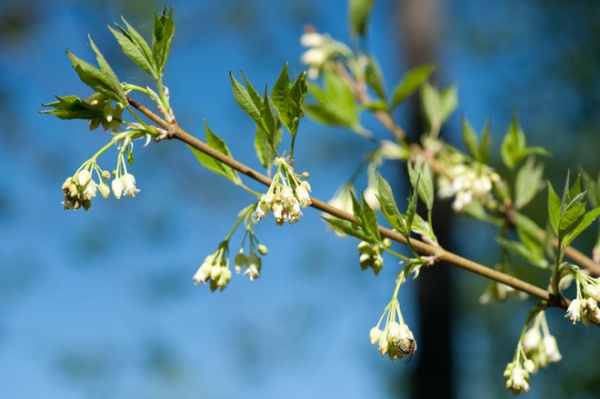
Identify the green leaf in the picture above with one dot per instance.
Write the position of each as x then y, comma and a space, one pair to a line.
370, 220
469, 138
388, 204
571, 218
135, 47
583, 224
359, 16
374, 78
535, 258
348, 228
212, 164
103, 80
422, 181
592, 188
437, 105
245, 101
264, 149
297, 96
411, 81
528, 182
485, 143
72, 107
375, 106
514, 147
411, 211
553, 208
269, 118
252, 92
288, 99
163, 32
335, 104
529, 232
448, 102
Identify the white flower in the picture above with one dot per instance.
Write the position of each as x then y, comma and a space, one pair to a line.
117, 187
374, 335
83, 177
551, 349
302, 195
393, 332
518, 378
574, 311
593, 291
532, 340
104, 190
315, 57
313, 39
239, 261
203, 272
253, 266
129, 185
371, 197
89, 191
262, 209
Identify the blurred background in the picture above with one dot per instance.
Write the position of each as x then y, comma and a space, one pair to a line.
101, 304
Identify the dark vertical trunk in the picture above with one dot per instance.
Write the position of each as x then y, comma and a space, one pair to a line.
419, 26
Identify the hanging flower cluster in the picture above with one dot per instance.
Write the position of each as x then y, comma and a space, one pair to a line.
395, 339
215, 269
81, 188
467, 183
370, 254
585, 306
252, 263
321, 48
286, 195
536, 348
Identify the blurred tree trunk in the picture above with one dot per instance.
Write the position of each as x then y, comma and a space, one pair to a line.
418, 23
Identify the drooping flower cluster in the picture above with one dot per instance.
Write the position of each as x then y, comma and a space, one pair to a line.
536, 348
286, 195
539, 345
467, 183
517, 375
320, 49
111, 118
370, 254
500, 292
215, 268
585, 306
395, 339
81, 188
252, 263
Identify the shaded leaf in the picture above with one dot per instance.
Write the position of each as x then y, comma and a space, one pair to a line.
72, 107
411, 81
163, 32
388, 204
528, 182
348, 228
135, 47
359, 16
212, 164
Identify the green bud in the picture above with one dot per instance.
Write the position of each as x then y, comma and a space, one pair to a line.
262, 249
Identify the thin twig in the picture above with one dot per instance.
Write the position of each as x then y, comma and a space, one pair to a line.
420, 246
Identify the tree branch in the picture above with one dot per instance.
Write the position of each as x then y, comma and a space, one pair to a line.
423, 248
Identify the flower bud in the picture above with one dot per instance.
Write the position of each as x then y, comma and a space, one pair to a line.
104, 190
117, 187
239, 261
83, 177
374, 335
262, 249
